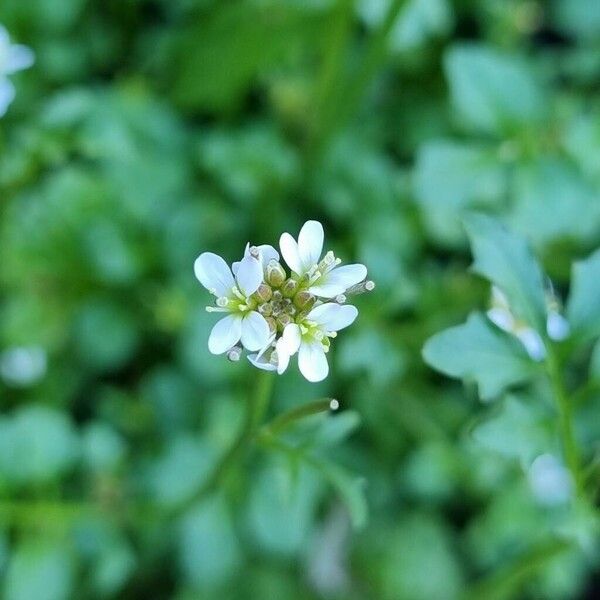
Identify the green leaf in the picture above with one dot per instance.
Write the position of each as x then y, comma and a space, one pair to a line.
480, 352
506, 259
450, 177
515, 430
493, 92
541, 207
583, 307
350, 487
39, 570
209, 548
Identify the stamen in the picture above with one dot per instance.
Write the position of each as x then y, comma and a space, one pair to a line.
334, 404
238, 294
223, 301
216, 309
235, 354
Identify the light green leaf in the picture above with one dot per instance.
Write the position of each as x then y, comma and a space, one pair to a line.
450, 177
516, 430
553, 202
350, 487
583, 307
492, 91
39, 570
478, 351
209, 548
506, 260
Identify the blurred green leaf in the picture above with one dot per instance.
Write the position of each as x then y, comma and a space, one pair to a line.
37, 445
493, 92
451, 177
40, 569
209, 552
515, 429
583, 307
480, 352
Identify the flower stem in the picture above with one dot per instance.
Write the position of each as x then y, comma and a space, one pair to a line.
283, 421
565, 418
256, 407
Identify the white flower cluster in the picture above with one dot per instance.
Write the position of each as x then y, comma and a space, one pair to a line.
13, 58
557, 327
276, 313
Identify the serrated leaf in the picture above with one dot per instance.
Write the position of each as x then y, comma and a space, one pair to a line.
479, 352
583, 307
492, 91
506, 259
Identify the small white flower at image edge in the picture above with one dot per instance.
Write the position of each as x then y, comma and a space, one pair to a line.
550, 481
13, 58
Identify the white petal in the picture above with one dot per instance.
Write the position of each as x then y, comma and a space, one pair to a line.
338, 280
7, 95
225, 334
255, 331
19, 58
214, 274
312, 361
310, 243
333, 317
267, 253
290, 253
501, 318
260, 362
283, 356
291, 338
249, 275
533, 343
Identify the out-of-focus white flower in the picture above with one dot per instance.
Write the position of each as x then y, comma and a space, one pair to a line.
23, 366
326, 278
501, 315
233, 297
274, 315
13, 58
550, 480
557, 327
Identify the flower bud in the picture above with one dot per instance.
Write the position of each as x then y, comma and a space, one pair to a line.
304, 300
275, 273
284, 320
272, 324
235, 354
289, 288
263, 293
266, 309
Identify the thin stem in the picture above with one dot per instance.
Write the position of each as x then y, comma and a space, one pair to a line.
284, 420
341, 101
256, 407
565, 418
506, 582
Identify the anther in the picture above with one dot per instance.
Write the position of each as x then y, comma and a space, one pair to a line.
234, 354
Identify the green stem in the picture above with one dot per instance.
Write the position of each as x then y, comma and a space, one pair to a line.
565, 418
341, 100
284, 420
506, 582
256, 407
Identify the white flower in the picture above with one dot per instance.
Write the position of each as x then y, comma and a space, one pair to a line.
264, 253
233, 297
13, 58
501, 315
325, 278
550, 480
310, 338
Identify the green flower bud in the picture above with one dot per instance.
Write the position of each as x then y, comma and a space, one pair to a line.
275, 273
284, 320
263, 293
266, 309
272, 324
289, 288
304, 300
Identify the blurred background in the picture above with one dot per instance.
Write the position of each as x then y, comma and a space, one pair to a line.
149, 131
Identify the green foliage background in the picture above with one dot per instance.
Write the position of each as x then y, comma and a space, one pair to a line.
151, 130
